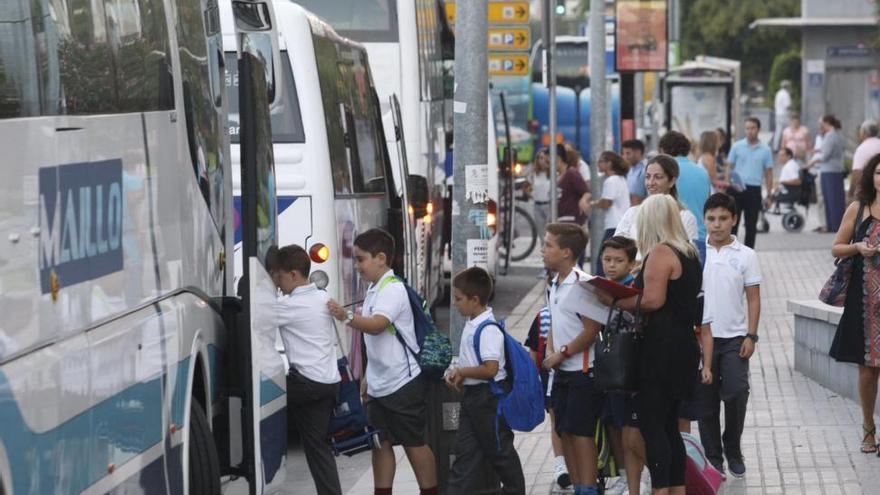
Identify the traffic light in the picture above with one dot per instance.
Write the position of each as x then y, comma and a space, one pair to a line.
560, 7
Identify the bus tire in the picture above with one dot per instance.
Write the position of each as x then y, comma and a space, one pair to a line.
204, 465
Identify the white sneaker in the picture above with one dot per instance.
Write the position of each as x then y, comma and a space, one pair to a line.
645, 483
616, 485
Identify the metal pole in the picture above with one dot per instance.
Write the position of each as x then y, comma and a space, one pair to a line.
598, 117
470, 232
550, 50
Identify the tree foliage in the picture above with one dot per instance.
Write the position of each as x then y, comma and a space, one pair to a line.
786, 66
721, 28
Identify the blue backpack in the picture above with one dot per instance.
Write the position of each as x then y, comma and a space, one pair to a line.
435, 350
523, 406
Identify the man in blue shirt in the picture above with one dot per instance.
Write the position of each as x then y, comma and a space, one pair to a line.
753, 161
633, 154
694, 185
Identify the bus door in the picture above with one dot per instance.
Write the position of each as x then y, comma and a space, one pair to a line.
264, 398
410, 249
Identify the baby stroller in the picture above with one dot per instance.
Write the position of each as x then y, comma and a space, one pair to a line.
349, 430
786, 201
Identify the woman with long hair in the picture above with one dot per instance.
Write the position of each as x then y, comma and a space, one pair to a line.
615, 192
857, 339
541, 191
708, 151
661, 174
830, 163
671, 280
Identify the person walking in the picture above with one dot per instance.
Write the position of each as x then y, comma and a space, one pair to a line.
694, 186
781, 106
753, 161
857, 339
829, 161
868, 147
615, 193
574, 191
670, 280
541, 192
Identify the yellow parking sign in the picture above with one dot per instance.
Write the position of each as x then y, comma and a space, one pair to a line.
499, 12
513, 64
509, 38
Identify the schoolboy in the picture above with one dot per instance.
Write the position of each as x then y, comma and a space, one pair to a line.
577, 403
731, 275
313, 380
395, 393
618, 256
479, 437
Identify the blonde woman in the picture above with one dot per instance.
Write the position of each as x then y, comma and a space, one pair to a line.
708, 149
671, 280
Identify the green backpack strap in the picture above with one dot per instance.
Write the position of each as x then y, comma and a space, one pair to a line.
384, 283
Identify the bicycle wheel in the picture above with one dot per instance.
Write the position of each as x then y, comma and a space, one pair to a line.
524, 236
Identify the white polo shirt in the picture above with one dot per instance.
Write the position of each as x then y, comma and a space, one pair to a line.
389, 365
306, 328
616, 190
567, 325
727, 273
491, 346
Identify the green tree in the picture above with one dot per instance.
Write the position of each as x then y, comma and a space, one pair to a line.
721, 28
786, 66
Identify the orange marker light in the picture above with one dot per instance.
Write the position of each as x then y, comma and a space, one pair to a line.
319, 253
517, 169
429, 208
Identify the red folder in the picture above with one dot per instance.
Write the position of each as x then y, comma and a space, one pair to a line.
616, 290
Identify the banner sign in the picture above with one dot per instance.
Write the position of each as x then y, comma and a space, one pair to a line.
642, 41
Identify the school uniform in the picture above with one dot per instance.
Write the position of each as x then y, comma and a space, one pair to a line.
482, 435
577, 403
397, 394
727, 274
307, 332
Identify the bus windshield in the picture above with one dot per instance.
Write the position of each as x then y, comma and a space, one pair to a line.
361, 20
286, 119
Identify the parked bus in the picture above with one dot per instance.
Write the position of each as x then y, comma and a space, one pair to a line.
332, 166
403, 39
127, 362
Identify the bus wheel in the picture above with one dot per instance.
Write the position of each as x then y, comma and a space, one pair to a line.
204, 465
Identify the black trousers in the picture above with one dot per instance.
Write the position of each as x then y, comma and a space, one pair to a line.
664, 448
749, 205
477, 440
311, 404
731, 386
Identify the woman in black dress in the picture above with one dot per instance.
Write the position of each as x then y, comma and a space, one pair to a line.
671, 281
857, 339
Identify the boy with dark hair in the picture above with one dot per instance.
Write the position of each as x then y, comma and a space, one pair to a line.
731, 272
633, 152
313, 379
481, 434
576, 401
395, 393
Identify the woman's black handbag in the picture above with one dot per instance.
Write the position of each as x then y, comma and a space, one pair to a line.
616, 366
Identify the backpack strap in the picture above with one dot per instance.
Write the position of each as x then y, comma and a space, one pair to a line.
493, 385
393, 329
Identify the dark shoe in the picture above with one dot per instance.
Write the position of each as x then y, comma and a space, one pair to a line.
563, 480
737, 467
719, 466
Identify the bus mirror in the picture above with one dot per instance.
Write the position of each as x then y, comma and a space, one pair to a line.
417, 189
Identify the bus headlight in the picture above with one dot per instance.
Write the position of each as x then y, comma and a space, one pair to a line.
320, 279
319, 253
492, 216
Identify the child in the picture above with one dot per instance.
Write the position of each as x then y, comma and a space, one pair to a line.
536, 342
576, 401
313, 380
731, 272
479, 437
395, 394
618, 257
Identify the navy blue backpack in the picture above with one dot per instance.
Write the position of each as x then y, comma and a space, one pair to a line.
523, 406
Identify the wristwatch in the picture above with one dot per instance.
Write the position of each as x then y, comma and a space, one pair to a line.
564, 351
753, 337
349, 316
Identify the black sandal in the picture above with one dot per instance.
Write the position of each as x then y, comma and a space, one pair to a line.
869, 447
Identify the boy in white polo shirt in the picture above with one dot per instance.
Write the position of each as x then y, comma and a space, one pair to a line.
395, 393
479, 438
731, 283
577, 403
313, 379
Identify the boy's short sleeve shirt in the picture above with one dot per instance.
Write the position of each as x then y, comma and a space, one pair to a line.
727, 273
566, 325
491, 346
306, 329
389, 365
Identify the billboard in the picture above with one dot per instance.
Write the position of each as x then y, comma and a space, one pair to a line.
641, 41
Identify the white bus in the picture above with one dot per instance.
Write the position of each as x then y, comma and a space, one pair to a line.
127, 362
403, 41
332, 166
